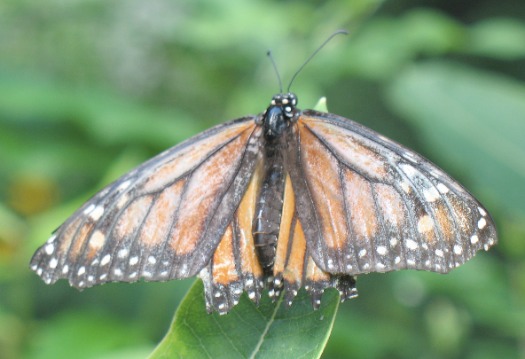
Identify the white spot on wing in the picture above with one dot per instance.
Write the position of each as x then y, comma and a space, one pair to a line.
458, 249
89, 209
431, 194
474, 239
382, 250
123, 253
409, 170
482, 223
105, 260
362, 253
96, 213
482, 211
124, 185
442, 188
411, 244
49, 248
53, 263
97, 240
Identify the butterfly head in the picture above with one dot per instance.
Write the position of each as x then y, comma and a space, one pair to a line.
278, 115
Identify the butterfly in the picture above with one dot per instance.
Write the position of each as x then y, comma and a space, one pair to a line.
282, 200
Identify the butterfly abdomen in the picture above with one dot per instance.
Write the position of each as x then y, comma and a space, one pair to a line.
269, 206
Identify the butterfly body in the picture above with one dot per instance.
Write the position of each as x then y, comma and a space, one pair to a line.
283, 200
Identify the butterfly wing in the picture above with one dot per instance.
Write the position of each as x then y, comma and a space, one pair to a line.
294, 266
367, 204
162, 220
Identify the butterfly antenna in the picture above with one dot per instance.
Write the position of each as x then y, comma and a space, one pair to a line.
338, 32
269, 54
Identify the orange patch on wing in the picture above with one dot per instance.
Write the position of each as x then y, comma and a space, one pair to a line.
445, 223
96, 242
361, 205
224, 271
191, 156
294, 270
314, 273
322, 173
160, 218
132, 217
462, 213
69, 235
391, 204
205, 186
285, 227
80, 238
245, 214
350, 146
425, 228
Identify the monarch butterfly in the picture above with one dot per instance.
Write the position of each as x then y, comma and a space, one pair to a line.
282, 200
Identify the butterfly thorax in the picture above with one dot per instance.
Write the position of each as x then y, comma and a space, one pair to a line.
278, 115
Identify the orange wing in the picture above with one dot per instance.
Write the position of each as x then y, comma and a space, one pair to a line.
235, 267
294, 266
368, 204
162, 220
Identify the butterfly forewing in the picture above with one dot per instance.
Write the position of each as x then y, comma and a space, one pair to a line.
162, 220
368, 204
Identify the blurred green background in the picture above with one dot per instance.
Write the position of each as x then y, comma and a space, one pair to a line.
91, 88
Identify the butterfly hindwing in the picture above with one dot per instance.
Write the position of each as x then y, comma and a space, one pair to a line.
162, 220
294, 266
368, 204
234, 266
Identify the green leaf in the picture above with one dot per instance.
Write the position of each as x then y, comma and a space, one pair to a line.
474, 120
501, 38
321, 105
270, 330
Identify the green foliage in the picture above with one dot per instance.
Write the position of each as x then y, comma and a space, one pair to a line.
270, 330
91, 88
